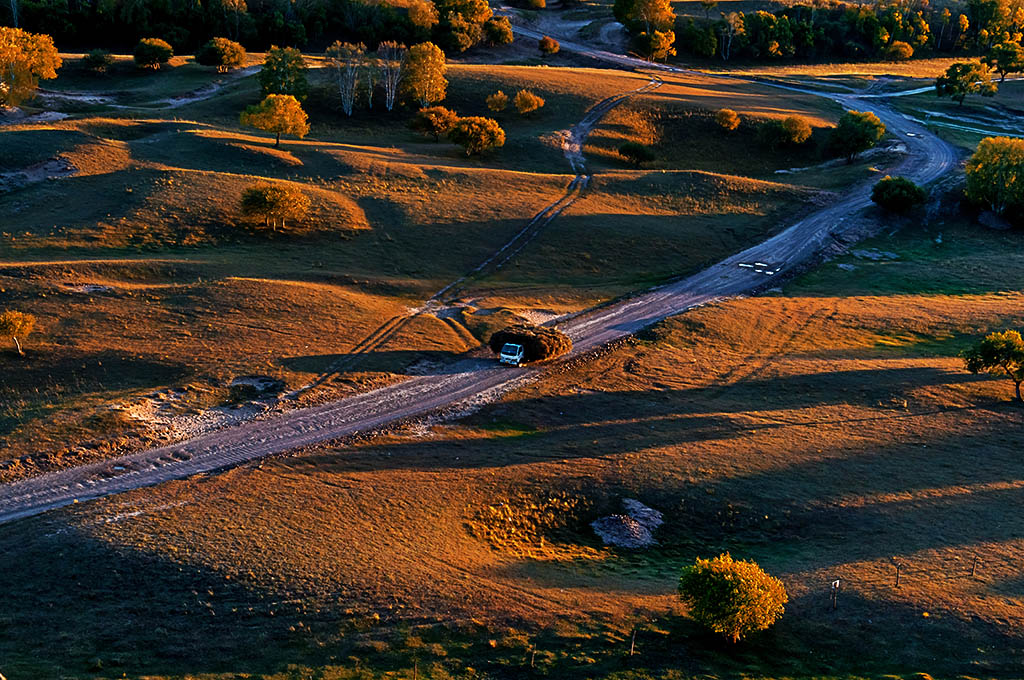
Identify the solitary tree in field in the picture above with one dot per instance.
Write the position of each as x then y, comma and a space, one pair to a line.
964, 78
222, 53
856, 131
1006, 58
284, 72
732, 597
497, 102
549, 45
476, 135
727, 119
391, 58
898, 194
424, 80
25, 58
17, 326
275, 204
528, 102
152, 53
999, 354
280, 114
434, 121
636, 153
346, 61
995, 175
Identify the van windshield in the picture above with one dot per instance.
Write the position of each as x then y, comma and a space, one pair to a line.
509, 348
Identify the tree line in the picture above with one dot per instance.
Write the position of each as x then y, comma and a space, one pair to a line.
454, 25
836, 30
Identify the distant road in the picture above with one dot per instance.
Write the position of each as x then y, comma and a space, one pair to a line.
927, 159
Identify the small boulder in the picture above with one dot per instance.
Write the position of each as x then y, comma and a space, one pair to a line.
622, 531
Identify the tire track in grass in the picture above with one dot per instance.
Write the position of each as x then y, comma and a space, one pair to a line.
572, 148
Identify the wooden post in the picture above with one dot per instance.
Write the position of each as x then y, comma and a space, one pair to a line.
632, 644
834, 594
415, 669
533, 656
899, 567
974, 566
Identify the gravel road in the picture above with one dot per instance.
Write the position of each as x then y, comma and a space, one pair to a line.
927, 159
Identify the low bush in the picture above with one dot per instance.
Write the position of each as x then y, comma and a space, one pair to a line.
539, 343
497, 102
98, 61
549, 45
476, 134
434, 121
727, 119
898, 194
221, 53
636, 153
528, 102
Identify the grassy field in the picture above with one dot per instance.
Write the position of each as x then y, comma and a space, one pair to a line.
146, 280
827, 432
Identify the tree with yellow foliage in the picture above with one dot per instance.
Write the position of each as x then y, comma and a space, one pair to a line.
25, 59
280, 114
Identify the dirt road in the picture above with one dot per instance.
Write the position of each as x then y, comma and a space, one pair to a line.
474, 379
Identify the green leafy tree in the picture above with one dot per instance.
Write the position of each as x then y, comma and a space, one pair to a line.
790, 131
25, 59
222, 53
434, 121
152, 53
857, 131
424, 74
549, 45
284, 72
898, 194
636, 153
497, 102
732, 597
995, 175
727, 119
280, 114
964, 78
998, 354
499, 31
17, 326
527, 102
98, 61
476, 134
275, 204
1006, 58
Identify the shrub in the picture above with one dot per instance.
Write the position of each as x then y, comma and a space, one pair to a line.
731, 597
727, 119
898, 194
274, 204
17, 326
535, 4
497, 102
223, 53
636, 153
899, 51
539, 343
152, 53
549, 45
98, 61
499, 31
434, 121
527, 102
994, 176
476, 134
790, 131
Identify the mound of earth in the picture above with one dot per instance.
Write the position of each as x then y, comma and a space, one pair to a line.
538, 342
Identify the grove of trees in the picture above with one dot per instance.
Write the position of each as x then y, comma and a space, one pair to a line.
275, 204
25, 59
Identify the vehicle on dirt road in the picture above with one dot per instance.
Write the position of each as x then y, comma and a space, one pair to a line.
511, 354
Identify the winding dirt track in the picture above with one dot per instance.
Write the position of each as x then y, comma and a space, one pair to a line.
928, 158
